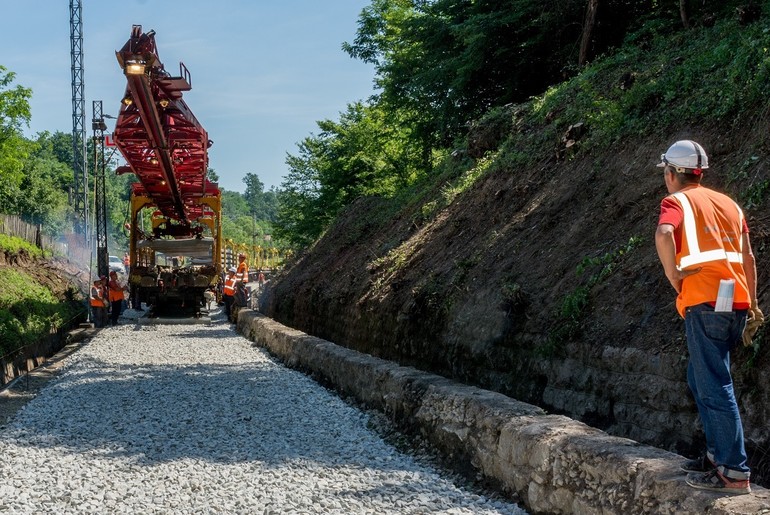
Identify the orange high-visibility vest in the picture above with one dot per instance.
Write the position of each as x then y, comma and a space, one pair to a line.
712, 239
116, 292
229, 287
243, 272
97, 300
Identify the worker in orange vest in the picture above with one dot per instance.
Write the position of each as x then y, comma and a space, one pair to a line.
228, 291
116, 297
98, 305
105, 283
242, 272
703, 243
243, 297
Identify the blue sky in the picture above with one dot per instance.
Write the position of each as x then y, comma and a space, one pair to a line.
263, 71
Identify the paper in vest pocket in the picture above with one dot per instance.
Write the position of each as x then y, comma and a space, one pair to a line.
725, 295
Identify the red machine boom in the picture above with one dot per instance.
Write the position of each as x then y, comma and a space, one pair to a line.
166, 147
162, 141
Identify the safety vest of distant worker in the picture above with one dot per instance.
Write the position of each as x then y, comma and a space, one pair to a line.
716, 248
97, 299
116, 291
229, 287
242, 273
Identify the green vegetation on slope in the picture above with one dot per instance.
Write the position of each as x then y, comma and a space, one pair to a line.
425, 131
29, 311
12, 245
662, 79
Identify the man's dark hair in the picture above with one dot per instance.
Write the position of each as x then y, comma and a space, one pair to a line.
686, 178
689, 178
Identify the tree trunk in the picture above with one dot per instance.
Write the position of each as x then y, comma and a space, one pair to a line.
588, 29
683, 13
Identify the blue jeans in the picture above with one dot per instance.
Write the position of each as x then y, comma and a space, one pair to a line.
710, 337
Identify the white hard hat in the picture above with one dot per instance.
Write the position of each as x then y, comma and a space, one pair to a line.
232, 269
685, 155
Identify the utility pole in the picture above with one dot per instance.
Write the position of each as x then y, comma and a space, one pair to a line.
100, 206
80, 183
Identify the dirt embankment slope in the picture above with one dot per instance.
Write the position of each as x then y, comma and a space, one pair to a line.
543, 283
63, 278
33, 328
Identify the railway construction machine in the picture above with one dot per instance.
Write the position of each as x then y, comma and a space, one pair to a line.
175, 251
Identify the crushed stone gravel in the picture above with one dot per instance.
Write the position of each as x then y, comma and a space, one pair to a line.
194, 419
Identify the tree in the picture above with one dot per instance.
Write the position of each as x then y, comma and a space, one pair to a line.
14, 104
253, 197
588, 29
238, 220
261, 203
448, 61
368, 151
233, 205
43, 195
14, 148
301, 217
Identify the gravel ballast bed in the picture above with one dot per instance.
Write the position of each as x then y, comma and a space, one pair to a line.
193, 419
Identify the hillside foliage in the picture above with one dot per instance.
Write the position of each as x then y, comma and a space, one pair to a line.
445, 69
442, 66
29, 310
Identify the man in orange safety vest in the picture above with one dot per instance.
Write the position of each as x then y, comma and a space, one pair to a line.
242, 272
98, 305
228, 291
703, 243
116, 295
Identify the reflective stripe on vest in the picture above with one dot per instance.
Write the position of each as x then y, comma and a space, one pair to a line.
696, 256
229, 288
243, 272
96, 300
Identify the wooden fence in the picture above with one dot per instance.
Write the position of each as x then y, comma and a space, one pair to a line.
70, 246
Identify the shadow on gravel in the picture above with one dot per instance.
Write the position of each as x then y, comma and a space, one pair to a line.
257, 411
210, 333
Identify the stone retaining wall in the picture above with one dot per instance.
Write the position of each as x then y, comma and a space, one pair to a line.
552, 463
28, 358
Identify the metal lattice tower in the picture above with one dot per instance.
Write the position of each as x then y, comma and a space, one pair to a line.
80, 185
100, 207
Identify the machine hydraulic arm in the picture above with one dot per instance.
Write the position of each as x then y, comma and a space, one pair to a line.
166, 148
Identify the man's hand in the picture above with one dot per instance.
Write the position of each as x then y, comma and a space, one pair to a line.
677, 276
666, 247
754, 320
